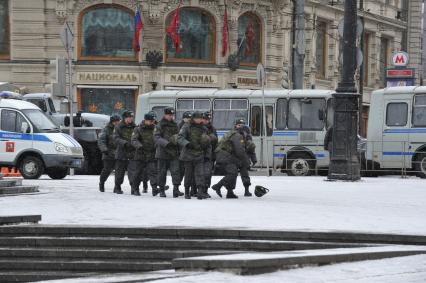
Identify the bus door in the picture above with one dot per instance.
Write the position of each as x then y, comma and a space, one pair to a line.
395, 137
256, 126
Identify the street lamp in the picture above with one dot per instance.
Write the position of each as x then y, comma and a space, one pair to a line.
344, 162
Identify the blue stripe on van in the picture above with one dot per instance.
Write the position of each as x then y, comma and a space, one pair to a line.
406, 131
397, 153
280, 155
284, 133
25, 137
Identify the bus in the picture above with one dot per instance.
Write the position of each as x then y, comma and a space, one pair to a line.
396, 130
296, 121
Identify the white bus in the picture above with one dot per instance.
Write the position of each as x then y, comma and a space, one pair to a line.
397, 130
296, 120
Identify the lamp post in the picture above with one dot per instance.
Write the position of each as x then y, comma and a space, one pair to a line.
344, 163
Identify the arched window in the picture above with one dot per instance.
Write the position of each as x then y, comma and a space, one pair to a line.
106, 33
4, 29
249, 41
197, 34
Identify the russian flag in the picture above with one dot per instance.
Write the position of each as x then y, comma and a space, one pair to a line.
138, 28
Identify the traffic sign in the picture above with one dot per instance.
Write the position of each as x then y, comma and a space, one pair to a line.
67, 36
261, 75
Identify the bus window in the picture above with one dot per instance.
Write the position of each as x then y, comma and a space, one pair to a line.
304, 114
256, 121
225, 111
183, 105
419, 111
281, 121
396, 114
159, 111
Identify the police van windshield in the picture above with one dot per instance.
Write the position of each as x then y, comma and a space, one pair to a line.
40, 121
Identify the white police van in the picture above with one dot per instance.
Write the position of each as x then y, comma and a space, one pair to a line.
30, 141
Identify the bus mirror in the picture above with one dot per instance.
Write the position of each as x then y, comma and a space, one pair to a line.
321, 115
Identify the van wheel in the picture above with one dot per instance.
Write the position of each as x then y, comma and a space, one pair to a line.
300, 164
31, 167
420, 165
57, 173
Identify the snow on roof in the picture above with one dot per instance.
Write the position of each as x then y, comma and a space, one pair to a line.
17, 104
37, 95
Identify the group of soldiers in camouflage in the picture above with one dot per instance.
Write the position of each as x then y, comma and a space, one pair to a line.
190, 151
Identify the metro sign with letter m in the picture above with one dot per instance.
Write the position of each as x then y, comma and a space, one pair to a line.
400, 59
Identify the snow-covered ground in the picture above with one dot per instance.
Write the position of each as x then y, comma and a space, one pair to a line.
385, 204
382, 205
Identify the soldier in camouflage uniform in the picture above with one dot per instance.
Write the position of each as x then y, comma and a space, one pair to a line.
231, 155
143, 141
125, 151
167, 152
210, 156
107, 147
186, 118
194, 142
251, 153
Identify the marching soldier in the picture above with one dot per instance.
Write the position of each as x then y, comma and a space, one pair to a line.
167, 152
231, 155
195, 142
146, 164
125, 151
210, 155
107, 147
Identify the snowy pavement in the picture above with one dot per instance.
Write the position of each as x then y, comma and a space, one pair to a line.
380, 205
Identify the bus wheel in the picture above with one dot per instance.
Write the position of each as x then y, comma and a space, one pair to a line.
57, 173
300, 164
31, 167
420, 165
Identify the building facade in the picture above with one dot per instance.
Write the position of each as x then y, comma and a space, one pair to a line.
108, 75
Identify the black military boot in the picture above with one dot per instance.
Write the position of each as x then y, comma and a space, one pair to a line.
206, 189
247, 191
117, 190
216, 188
200, 193
155, 191
102, 187
193, 191
187, 193
136, 192
176, 192
145, 187
162, 193
231, 194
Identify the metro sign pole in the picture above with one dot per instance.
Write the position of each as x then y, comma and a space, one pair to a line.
344, 162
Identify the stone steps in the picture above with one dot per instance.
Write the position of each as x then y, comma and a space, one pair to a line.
217, 233
31, 276
170, 244
83, 265
16, 190
10, 182
107, 253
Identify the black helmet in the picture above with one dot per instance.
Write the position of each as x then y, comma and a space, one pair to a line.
240, 121
187, 115
169, 110
127, 114
260, 191
207, 115
150, 116
197, 114
114, 118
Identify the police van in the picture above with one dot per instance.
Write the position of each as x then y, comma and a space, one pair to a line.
397, 130
30, 141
